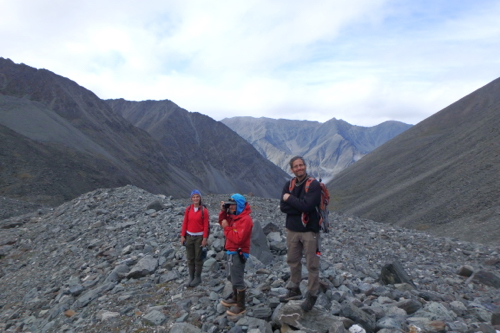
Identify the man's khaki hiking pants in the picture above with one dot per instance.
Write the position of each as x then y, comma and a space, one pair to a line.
307, 243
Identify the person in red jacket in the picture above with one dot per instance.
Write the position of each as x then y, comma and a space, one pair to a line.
237, 225
194, 235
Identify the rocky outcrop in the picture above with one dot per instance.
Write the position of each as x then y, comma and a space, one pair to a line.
104, 262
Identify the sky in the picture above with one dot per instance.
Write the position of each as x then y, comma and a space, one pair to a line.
362, 61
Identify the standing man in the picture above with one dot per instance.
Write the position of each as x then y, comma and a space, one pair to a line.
237, 225
302, 232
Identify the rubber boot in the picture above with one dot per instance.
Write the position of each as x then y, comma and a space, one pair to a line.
239, 308
292, 294
197, 277
308, 303
191, 275
231, 299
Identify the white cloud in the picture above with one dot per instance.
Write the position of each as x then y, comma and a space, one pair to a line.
363, 61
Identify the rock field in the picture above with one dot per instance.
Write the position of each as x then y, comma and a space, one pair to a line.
111, 261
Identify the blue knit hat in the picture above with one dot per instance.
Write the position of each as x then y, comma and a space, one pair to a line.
195, 192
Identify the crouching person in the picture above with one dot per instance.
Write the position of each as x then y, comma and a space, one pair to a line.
237, 225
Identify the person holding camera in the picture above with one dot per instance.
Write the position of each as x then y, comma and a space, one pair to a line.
194, 234
237, 225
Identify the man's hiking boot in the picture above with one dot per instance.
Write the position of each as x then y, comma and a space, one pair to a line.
292, 294
308, 303
231, 299
239, 307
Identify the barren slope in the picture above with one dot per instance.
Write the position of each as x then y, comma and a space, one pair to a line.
442, 175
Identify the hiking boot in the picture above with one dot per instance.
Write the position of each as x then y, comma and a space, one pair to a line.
231, 299
308, 303
239, 308
292, 294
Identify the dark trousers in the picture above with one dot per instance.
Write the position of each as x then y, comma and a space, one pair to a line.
193, 252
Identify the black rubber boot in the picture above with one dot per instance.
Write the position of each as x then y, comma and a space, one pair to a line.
231, 299
292, 294
197, 277
191, 275
308, 303
239, 308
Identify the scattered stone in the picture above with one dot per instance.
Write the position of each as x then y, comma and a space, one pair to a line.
155, 318
394, 273
106, 262
69, 313
485, 277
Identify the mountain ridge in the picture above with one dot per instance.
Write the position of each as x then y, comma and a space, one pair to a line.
82, 144
327, 147
220, 155
440, 176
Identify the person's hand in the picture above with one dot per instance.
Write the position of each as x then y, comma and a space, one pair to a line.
183, 239
224, 223
285, 196
204, 242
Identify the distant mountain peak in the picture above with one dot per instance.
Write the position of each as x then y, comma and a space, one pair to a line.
327, 147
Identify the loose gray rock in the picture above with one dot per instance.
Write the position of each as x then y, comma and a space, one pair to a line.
144, 267
75, 267
155, 317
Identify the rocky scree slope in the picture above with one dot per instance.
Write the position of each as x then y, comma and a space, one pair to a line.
110, 261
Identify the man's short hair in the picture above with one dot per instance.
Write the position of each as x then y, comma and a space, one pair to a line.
296, 158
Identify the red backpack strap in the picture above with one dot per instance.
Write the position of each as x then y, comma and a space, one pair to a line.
294, 179
308, 182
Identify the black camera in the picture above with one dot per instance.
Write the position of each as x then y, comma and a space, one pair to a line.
228, 203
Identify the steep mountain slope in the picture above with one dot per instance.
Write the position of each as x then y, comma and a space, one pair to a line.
60, 140
441, 176
70, 141
222, 160
327, 147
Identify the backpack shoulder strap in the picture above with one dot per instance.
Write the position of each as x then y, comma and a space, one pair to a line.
308, 183
292, 184
203, 207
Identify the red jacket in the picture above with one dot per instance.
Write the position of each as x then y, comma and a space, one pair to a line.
193, 222
239, 231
